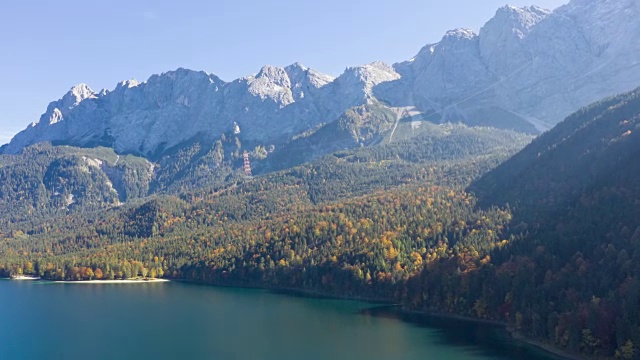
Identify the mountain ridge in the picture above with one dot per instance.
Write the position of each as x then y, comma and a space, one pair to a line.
526, 69
559, 265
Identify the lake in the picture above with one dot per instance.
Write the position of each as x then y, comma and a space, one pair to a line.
40, 320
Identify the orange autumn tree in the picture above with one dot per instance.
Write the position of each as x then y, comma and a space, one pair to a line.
98, 274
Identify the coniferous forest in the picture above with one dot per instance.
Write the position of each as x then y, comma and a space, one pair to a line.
455, 220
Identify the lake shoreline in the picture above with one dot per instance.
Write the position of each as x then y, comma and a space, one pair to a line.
508, 332
512, 333
324, 329
24, 278
544, 346
294, 292
126, 281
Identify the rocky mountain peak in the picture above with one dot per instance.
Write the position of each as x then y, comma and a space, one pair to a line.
358, 81
74, 96
56, 110
275, 74
600, 4
182, 77
300, 74
271, 83
526, 69
80, 92
518, 20
306, 82
296, 68
602, 22
371, 74
505, 33
127, 84
459, 34
455, 40
600, 12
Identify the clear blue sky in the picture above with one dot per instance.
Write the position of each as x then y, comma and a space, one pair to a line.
48, 46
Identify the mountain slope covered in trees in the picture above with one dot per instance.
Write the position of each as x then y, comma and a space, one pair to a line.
549, 243
47, 180
574, 279
219, 217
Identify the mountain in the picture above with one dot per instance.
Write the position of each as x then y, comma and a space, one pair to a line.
602, 141
573, 278
362, 213
550, 245
526, 70
527, 67
177, 106
45, 181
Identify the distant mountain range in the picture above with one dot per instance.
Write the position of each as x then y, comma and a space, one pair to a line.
409, 207
526, 70
548, 242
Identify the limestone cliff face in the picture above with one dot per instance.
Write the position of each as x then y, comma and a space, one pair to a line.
526, 69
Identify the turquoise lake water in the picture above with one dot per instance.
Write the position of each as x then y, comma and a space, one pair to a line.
40, 320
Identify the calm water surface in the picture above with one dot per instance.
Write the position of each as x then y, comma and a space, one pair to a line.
40, 320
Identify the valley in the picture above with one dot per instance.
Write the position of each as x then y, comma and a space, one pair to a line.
492, 177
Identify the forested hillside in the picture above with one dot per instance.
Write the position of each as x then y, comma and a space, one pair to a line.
437, 164
574, 279
47, 180
550, 245
453, 155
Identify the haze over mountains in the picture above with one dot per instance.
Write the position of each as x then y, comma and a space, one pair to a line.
390, 222
408, 207
526, 70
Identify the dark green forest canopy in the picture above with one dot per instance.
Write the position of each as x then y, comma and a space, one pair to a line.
575, 277
548, 241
